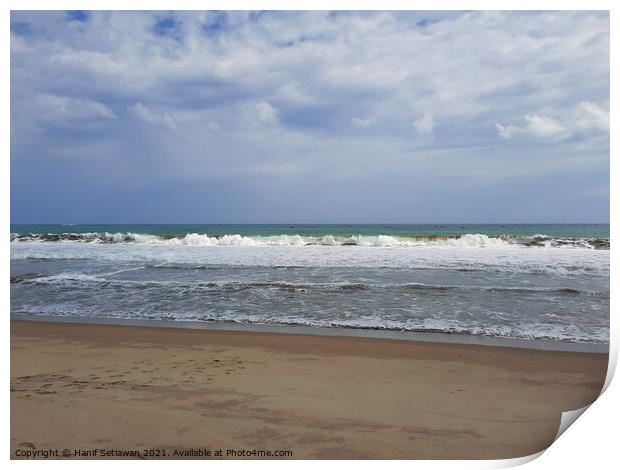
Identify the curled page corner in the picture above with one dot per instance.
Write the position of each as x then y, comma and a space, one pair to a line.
568, 418
517, 461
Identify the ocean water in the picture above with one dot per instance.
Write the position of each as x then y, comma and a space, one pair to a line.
545, 282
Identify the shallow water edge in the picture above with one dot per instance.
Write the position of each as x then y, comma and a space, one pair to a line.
430, 337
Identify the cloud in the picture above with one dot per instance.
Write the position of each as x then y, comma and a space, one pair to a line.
586, 117
266, 113
66, 108
546, 128
303, 61
260, 93
425, 124
591, 116
508, 132
362, 123
149, 116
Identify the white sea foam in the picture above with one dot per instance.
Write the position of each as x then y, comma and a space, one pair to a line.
470, 240
243, 251
522, 330
466, 241
68, 277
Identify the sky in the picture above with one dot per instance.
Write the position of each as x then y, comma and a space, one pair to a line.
315, 117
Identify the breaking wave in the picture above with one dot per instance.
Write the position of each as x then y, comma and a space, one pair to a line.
470, 240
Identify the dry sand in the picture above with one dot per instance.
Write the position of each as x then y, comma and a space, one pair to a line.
135, 388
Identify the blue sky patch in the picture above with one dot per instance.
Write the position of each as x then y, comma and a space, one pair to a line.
77, 15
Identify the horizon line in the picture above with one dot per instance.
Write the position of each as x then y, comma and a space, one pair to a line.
310, 223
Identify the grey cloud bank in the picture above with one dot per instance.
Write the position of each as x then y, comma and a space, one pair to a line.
249, 117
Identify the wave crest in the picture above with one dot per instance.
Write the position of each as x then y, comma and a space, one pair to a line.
469, 240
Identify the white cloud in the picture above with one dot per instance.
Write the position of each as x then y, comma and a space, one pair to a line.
310, 77
558, 125
362, 123
507, 131
149, 116
589, 115
267, 113
306, 58
425, 125
546, 128
58, 108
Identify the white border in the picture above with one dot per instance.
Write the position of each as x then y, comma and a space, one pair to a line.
590, 442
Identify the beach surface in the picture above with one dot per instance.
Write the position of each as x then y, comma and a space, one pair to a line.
128, 388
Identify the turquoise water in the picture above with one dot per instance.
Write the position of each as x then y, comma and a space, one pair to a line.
407, 230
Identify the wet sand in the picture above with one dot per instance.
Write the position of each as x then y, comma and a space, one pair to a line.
128, 388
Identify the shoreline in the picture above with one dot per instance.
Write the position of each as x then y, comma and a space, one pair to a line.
345, 332
88, 386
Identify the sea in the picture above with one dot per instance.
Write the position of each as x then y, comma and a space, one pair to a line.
537, 282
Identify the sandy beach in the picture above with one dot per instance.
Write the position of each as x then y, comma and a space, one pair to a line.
121, 388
